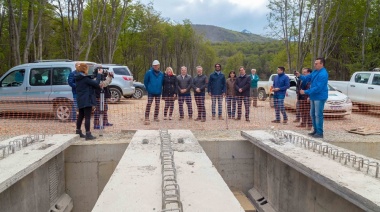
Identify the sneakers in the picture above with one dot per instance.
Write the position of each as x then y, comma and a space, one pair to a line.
276, 121
317, 136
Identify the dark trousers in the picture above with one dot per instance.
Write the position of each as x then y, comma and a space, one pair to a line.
213, 104
84, 113
186, 99
298, 110
305, 113
231, 106
200, 101
156, 98
239, 100
169, 106
97, 112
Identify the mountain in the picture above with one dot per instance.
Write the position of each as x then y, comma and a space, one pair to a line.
218, 34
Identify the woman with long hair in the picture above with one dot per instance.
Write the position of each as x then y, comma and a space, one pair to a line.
169, 92
231, 97
86, 99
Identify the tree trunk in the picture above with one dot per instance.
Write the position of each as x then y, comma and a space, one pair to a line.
29, 31
14, 36
368, 6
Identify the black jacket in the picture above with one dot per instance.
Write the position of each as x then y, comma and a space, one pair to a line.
200, 82
85, 87
169, 87
243, 82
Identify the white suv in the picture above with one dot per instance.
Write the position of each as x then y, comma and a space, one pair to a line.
122, 83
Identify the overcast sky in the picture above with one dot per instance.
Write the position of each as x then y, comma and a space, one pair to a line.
231, 14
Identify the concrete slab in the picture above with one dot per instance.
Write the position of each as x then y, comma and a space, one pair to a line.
16, 166
136, 182
356, 187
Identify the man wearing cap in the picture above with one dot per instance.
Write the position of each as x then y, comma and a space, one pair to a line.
153, 81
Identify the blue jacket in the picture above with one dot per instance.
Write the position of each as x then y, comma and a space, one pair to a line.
318, 88
281, 81
85, 88
71, 81
153, 81
217, 84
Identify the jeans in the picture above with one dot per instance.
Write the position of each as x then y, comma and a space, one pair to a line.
316, 112
246, 106
169, 106
74, 108
157, 98
181, 100
279, 107
231, 106
213, 102
200, 101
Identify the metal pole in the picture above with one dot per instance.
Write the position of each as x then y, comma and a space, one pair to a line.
101, 112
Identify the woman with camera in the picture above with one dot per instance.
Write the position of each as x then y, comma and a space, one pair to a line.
86, 99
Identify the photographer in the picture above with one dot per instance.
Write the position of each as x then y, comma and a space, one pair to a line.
85, 88
106, 79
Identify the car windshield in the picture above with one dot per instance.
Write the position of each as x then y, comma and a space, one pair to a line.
331, 88
122, 71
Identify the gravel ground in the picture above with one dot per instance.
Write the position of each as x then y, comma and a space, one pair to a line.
129, 115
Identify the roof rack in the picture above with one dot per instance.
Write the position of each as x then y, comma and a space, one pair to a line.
54, 60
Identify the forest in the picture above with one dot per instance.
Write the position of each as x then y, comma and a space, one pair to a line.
345, 32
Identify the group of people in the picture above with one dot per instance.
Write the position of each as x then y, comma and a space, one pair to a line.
169, 87
86, 94
312, 93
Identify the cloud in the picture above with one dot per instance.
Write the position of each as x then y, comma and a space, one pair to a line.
232, 14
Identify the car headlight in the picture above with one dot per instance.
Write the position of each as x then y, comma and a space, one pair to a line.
348, 100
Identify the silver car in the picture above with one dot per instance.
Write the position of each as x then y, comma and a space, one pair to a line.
122, 83
39, 87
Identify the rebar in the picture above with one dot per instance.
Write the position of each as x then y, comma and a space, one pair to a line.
17, 144
343, 156
171, 197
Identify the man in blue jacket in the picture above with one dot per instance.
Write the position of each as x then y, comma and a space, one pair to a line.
281, 83
217, 89
153, 81
71, 81
318, 94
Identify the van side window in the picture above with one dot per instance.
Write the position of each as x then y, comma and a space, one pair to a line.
362, 78
14, 79
60, 76
376, 79
40, 77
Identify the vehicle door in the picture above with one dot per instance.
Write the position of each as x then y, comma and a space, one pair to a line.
357, 89
13, 91
39, 90
373, 90
60, 87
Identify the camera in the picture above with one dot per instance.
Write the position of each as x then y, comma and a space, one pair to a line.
105, 73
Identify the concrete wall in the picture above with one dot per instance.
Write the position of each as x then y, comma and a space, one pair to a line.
369, 149
88, 169
31, 193
286, 189
234, 160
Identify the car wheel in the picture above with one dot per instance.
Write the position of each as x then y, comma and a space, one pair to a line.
262, 95
62, 111
115, 95
138, 93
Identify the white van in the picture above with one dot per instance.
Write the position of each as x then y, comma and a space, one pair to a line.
39, 87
